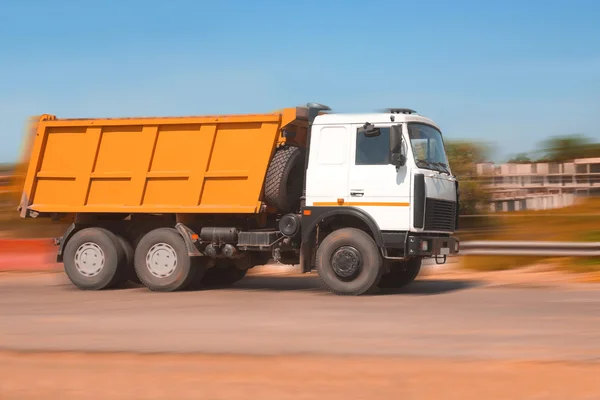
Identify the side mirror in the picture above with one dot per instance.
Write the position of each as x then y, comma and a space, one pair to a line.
369, 130
396, 157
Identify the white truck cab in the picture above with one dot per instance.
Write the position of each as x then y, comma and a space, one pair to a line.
388, 175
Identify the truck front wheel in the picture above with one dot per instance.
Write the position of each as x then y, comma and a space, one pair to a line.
349, 263
401, 274
162, 262
94, 259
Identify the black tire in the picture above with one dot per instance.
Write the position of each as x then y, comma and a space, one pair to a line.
128, 267
364, 274
401, 274
223, 275
285, 179
98, 241
167, 246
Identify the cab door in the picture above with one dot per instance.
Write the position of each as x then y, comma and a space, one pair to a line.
375, 185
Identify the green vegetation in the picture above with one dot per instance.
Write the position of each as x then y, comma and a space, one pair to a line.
521, 158
561, 149
463, 158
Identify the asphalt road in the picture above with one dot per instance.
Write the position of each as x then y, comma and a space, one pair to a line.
292, 315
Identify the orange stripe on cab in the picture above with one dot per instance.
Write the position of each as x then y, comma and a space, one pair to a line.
360, 204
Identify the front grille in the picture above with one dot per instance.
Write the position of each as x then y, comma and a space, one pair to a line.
440, 215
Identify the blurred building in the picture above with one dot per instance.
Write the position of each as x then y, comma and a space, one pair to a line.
540, 186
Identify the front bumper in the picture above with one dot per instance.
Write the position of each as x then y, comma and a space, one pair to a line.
432, 246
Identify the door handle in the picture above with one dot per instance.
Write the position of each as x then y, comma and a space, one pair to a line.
357, 194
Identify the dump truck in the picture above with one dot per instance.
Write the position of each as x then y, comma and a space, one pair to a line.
181, 202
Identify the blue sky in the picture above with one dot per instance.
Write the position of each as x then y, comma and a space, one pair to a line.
506, 72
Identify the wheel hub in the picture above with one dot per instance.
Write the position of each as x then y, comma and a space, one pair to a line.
89, 259
346, 262
161, 260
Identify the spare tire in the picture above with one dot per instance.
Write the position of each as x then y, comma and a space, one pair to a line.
285, 179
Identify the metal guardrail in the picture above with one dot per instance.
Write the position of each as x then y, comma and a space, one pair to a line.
538, 214
521, 248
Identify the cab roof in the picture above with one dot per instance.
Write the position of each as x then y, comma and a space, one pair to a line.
373, 118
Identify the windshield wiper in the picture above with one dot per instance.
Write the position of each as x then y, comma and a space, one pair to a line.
444, 167
429, 164
436, 166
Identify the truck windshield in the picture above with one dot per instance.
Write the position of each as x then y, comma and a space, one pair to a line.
428, 147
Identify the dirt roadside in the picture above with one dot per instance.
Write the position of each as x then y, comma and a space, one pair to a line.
136, 377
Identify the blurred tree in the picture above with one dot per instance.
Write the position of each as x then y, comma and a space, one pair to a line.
463, 158
521, 158
567, 148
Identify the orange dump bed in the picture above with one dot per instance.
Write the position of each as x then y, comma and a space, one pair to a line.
213, 164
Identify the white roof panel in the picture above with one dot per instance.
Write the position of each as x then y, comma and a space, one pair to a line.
374, 118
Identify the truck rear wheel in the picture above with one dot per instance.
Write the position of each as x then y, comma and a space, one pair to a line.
94, 259
129, 273
349, 263
285, 178
162, 262
401, 274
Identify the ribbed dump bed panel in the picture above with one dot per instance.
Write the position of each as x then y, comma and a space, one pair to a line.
155, 165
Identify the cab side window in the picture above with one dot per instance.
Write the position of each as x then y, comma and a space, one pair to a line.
373, 150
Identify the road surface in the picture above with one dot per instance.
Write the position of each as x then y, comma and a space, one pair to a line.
290, 315
192, 377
